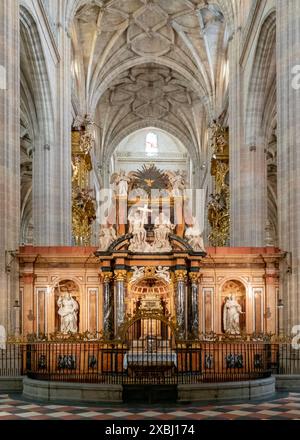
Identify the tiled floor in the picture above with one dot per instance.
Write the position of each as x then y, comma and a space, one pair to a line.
282, 407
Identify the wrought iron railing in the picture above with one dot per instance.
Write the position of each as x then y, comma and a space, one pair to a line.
149, 362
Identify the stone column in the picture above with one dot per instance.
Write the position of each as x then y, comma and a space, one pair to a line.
120, 288
248, 190
108, 305
181, 302
193, 324
235, 139
288, 151
9, 160
61, 229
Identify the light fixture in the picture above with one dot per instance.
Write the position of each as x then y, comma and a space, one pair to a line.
280, 304
16, 304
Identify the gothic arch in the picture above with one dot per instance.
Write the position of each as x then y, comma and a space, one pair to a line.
37, 107
163, 125
261, 113
262, 81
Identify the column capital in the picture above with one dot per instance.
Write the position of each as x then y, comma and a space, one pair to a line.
180, 275
120, 275
107, 277
194, 277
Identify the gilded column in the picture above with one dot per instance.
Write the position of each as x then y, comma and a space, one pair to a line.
120, 288
108, 305
193, 322
180, 301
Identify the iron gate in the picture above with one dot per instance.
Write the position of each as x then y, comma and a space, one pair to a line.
152, 355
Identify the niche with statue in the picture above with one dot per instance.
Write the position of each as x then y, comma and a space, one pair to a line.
67, 307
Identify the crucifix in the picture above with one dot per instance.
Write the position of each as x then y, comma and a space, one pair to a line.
144, 211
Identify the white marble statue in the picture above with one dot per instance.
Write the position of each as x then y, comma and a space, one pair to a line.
231, 316
162, 229
178, 182
106, 237
120, 181
137, 220
138, 272
2, 338
164, 273
193, 234
68, 311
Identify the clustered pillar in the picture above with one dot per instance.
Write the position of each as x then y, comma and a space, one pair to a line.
288, 152
9, 160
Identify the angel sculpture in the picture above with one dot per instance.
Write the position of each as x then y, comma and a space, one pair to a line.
162, 229
178, 182
106, 237
137, 274
194, 236
163, 272
137, 220
120, 181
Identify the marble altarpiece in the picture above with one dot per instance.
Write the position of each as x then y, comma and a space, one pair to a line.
151, 262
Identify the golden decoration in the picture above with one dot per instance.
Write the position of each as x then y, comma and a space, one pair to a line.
107, 277
83, 203
194, 277
150, 272
120, 275
219, 204
166, 318
219, 139
180, 275
86, 142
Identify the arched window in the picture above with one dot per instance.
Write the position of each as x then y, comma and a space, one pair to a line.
151, 147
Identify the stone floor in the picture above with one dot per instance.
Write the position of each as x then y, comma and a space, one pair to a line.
281, 407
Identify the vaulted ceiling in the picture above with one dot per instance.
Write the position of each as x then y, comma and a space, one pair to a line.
139, 63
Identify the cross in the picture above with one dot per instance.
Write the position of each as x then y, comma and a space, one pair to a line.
144, 211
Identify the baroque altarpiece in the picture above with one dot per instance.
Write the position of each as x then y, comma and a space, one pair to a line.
150, 262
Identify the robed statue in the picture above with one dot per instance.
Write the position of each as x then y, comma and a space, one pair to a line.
68, 312
231, 316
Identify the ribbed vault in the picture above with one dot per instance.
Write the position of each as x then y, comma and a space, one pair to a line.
155, 62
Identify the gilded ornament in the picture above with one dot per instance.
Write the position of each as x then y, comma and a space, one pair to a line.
181, 275
120, 275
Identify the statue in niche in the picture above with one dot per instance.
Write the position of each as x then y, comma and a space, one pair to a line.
120, 181
194, 236
178, 183
137, 220
162, 229
68, 312
106, 237
231, 316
